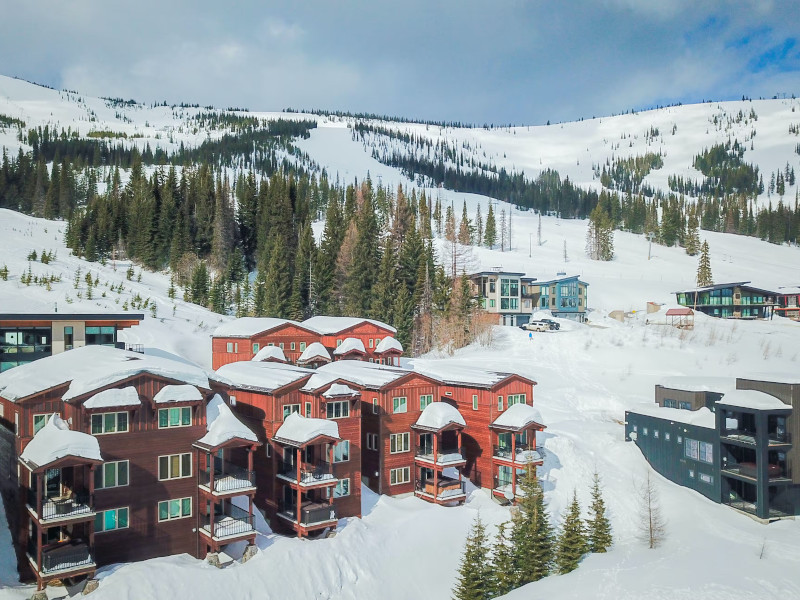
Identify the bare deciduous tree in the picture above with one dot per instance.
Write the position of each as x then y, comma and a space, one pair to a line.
653, 529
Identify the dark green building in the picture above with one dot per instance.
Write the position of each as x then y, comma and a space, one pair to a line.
730, 300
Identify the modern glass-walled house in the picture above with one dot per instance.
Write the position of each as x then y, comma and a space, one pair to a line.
730, 300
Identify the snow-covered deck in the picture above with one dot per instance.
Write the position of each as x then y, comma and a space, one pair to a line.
522, 456
228, 528
447, 458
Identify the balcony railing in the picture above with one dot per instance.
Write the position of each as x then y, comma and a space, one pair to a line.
310, 474
231, 522
62, 557
311, 513
229, 478
444, 455
68, 507
523, 453
749, 437
447, 488
750, 470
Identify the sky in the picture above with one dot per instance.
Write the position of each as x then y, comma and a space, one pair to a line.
500, 61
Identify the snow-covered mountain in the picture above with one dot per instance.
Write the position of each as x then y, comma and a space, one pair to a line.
587, 375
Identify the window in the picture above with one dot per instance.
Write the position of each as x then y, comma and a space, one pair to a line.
174, 509
706, 478
342, 488
371, 343
398, 476
101, 336
111, 475
670, 403
474, 401
341, 451
491, 303
644, 430
399, 442
516, 399
691, 449
291, 345
268, 449
655, 433
399, 405
685, 405
666, 435
372, 441
110, 520
229, 347
338, 410
280, 345
302, 346
116, 422
69, 338
174, 466
680, 439
39, 422
374, 406
232, 400
425, 400
256, 348
177, 416
706, 452
308, 409
500, 403
636, 428
289, 409
691, 473
338, 343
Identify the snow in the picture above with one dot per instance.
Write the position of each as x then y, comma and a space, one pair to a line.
298, 430
752, 399
177, 393
247, 327
438, 415
222, 425
788, 290
127, 396
314, 350
360, 373
273, 352
350, 345
701, 417
55, 441
785, 378
387, 344
452, 372
89, 368
332, 325
262, 376
518, 417
699, 384
340, 389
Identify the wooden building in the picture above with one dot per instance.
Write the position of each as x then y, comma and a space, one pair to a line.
25, 337
140, 495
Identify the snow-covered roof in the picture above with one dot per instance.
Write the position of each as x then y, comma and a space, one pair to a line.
177, 393
700, 418
127, 396
752, 399
314, 350
298, 430
518, 416
92, 367
556, 279
262, 376
438, 415
458, 373
699, 384
360, 373
789, 289
787, 378
56, 440
387, 344
350, 345
222, 425
247, 327
333, 325
340, 389
270, 352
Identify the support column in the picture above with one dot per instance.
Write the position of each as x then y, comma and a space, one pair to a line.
513, 464
213, 509
39, 492
299, 496
762, 462
435, 467
210, 466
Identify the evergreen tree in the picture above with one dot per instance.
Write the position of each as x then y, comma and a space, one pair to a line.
704, 277
572, 543
692, 235
490, 231
504, 579
600, 235
532, 534
599, 527
474, 573
478, 240
464, 228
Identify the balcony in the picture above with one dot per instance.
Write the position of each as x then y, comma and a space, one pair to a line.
748, 438
502, 487
62, 558
311, 513
522, 455
228, 478
449, 490
63, 508
232, 522
749, 471
445, 457
311, 474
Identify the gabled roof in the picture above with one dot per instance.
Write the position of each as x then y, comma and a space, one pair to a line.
453, 372
363, 374
298, 430
518, 417
438, 415
338, 390
332, 325
388, 344
223, 426
247, 327
350, 345
55, 441
177, 393
315, 350
679, 312
262, 376
90, 368
114, 398
270, 353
